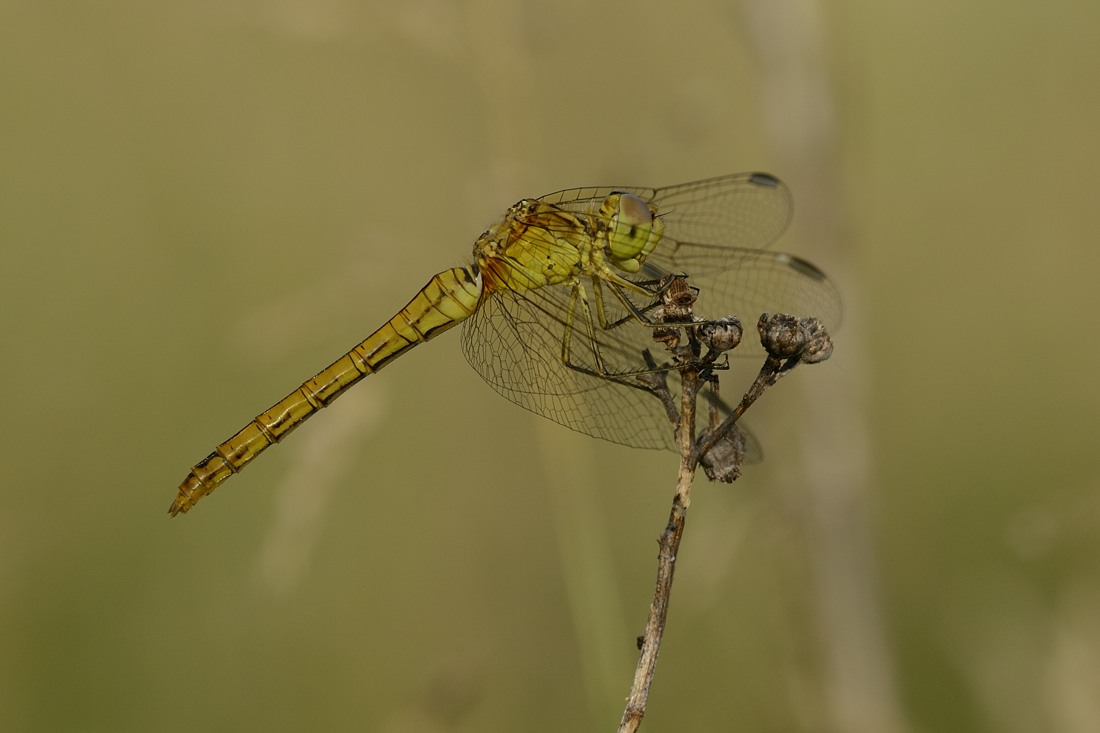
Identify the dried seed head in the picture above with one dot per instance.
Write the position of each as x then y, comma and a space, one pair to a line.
677, 299
782, 336
723, 461
679, 292
722, 334
819, 346
669, 336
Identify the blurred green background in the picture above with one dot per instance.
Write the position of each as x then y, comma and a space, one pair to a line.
203, 203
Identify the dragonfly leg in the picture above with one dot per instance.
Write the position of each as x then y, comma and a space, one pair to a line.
654, 290
578, 300
579, 316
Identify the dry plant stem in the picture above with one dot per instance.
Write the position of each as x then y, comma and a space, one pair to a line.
772, 371
788, 342
669, 547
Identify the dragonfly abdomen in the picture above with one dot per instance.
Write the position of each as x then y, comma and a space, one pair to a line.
448, 299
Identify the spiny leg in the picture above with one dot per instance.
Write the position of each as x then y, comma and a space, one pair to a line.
578, 308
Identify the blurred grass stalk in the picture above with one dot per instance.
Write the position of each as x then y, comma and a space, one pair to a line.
836, 473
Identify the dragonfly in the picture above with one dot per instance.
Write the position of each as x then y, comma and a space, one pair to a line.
556, 307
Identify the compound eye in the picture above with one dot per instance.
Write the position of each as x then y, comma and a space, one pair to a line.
633, 233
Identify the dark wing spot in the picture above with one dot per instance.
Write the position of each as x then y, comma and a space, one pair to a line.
803, 267
764, 179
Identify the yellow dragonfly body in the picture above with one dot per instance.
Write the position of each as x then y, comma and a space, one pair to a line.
555, 306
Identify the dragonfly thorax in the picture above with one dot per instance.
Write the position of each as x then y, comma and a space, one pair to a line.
633, 230
536, 244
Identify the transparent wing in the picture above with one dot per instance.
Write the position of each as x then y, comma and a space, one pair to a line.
515, 342
761, 281
573, 357
716, 232
742, 211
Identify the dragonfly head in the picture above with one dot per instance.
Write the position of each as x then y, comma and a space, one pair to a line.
633, 230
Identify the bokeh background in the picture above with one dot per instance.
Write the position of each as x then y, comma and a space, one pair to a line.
203, 203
